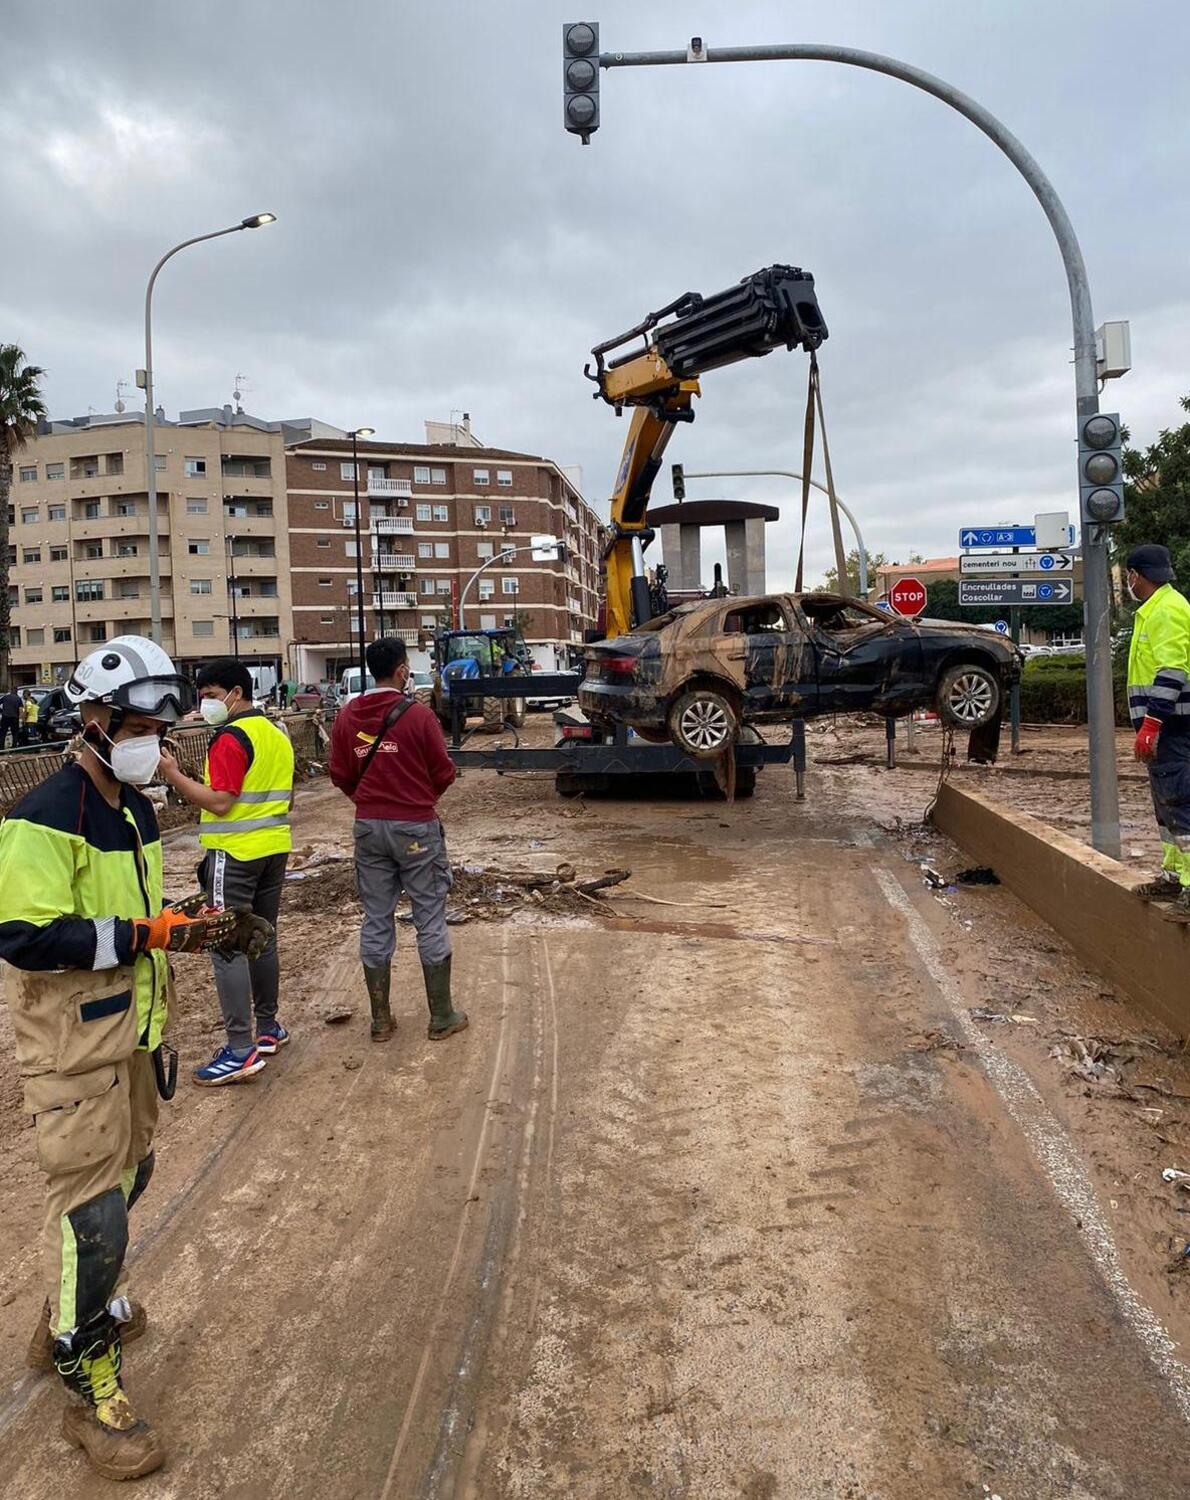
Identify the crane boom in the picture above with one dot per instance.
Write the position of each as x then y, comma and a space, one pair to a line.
773, 308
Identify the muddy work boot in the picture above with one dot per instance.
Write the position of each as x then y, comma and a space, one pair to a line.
1166, 887
1181, 906
100, 1419
40, 1353
444, 1019
377, 981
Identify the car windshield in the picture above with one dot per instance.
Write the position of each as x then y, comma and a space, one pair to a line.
477, 647
837, 616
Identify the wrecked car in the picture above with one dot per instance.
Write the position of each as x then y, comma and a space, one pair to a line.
696, 674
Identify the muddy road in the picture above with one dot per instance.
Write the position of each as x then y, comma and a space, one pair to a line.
730, 1197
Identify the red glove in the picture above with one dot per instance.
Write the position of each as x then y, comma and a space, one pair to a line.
1146, 738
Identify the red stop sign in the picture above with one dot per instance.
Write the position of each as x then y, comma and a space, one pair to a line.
907, 597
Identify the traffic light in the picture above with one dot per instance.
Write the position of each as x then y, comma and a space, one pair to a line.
679, 479
1100, 469
580, 78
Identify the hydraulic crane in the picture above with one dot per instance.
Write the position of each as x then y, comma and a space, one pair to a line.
771, 309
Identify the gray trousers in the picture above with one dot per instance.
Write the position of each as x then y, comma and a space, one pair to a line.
395, 857
246, 986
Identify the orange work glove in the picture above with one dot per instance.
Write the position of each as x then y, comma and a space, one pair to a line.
1146, 738
177, 932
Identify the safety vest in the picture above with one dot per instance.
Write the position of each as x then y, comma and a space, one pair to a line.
1159, 658
31, 711
257, 823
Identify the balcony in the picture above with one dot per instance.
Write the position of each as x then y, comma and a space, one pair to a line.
394, 601
381, 488
395, 562
251, 567
389, 524
573, 605
122, 567
236, 525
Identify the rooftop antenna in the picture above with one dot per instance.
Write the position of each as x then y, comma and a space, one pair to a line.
237, 395
455, 411
121, 387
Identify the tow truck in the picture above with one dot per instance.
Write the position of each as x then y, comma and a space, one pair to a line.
654, 369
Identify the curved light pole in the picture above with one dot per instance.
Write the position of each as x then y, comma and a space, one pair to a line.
256, 221
505, 556
359, 554
789, 474
1105, 798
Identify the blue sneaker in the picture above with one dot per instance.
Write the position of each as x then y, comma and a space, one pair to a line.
229, 1066
273, 1036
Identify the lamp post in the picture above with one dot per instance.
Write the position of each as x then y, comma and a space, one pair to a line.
538, 547
229, 543
358, 433
145, 381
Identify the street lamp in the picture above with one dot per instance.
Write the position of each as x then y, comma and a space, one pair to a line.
229, 542
144, 379
359, 432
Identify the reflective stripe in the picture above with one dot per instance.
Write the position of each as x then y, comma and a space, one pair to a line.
68, 1281
282, 794
246, 825
105, 943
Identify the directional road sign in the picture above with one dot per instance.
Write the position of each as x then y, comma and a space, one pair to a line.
989, 593
1004, 536
1016, 562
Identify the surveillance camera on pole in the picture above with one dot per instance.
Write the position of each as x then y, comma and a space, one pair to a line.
1100, 469
580, 78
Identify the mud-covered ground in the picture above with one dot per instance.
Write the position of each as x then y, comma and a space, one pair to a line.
723, 1193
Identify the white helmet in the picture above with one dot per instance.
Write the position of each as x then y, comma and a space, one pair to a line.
131, 674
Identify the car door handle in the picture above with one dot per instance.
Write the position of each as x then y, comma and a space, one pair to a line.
739, 655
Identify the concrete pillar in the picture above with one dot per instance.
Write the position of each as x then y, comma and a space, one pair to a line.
691, 543
737, 559
754, 555
671, 551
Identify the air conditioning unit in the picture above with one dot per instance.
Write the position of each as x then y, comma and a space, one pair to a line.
402, 502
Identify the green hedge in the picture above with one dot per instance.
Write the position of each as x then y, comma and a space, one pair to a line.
1054, 689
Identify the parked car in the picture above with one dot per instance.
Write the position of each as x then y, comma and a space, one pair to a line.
696, 674
57, 717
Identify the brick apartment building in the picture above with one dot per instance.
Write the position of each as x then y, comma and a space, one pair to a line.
79, 538
430, 515
257, 542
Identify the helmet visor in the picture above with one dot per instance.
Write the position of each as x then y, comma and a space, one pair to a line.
167, 697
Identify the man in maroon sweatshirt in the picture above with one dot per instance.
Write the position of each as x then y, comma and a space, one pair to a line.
388, 755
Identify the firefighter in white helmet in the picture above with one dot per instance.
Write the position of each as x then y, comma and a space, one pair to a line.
85, 928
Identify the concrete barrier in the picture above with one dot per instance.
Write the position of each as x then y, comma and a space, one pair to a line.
1083, 895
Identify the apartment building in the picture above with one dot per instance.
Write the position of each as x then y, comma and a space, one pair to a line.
79, 538
431, 515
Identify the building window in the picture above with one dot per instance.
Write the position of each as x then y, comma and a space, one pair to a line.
113, 463
442, 586
326, 619
29, 515
325, 583
92, 551
127, 549
60, 593
91, 510
159, 462
35, 636
28, 472
437, 476
88, 588
486, 550
428, 622
323, 541
124, 508
322, 505
204, 627
346, 471
487, 588
128, 591
481, 476
195, 506
510, 585
14, 636
31, 554
58, 554
198, 546
507, 516
441, 549
442, 513
504, 478
421, 476
55, 471
425, 549
200, 585
321, 467
487, 622
61, 635
194, 468
423, 512
33, 596
426, 585
97, 632
57, 513
483, 515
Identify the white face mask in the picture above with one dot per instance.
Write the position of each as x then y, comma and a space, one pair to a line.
214, 711
135, 760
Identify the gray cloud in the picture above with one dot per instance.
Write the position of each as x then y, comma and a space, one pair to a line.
442, 243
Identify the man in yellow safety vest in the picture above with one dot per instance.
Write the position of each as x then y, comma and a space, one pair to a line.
244, 798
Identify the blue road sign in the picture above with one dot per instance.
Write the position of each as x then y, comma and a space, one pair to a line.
1002, 626
884, 605
1004, 536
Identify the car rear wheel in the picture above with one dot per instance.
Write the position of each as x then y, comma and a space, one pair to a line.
704, 722
968, 696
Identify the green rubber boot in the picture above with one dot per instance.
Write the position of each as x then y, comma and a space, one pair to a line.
383, 1029
444, 1019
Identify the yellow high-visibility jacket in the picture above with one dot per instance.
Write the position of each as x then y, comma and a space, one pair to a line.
1159, 658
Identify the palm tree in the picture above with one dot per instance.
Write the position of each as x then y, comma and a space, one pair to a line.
21, 409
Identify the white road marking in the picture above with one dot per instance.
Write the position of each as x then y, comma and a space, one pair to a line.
1054, 1150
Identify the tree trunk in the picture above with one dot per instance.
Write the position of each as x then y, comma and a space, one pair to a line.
5, 533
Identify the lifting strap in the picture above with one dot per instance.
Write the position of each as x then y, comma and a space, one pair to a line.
813, 410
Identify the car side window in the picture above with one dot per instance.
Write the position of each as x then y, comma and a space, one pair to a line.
760, 619
837, 618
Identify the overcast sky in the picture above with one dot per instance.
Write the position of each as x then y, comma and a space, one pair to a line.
442, 244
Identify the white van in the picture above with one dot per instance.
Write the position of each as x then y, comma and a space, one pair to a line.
349, 685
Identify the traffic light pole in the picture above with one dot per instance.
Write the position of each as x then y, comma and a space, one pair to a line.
1105, 801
